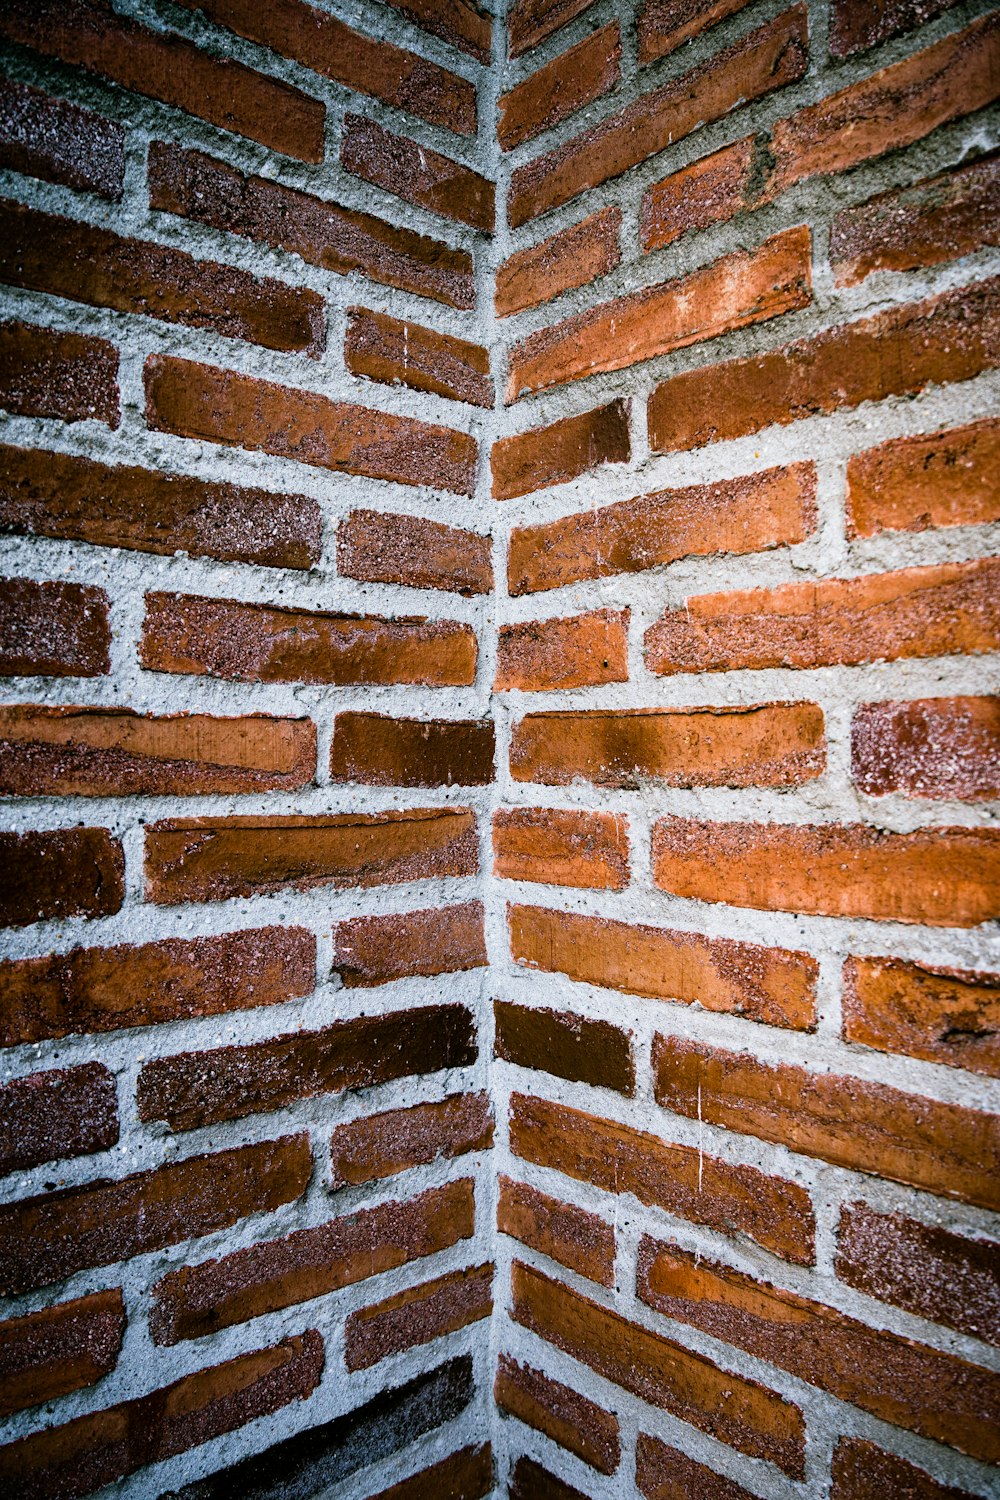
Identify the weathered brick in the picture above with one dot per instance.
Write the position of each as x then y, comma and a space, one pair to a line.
324, 234
552, 93
53, 629
92, 1451
322, 42
199, 1300
910, 484
561, 846
902, 1382
98, 752
59, 1349
395, 352
569, 652
866, 1127
729, 1407
106, 989
377, 1146
228, 1083
414, 172
57, 1114
930, 1272
764, 984
217, 859
377, 750
261, 643
161, 65
576, 1239
465, 1475
566, 1417
45, 373
46, 1239
764, 744
221, 406
564, 450
81, 499
927, 747
571, 258
60, 142
60, 873
863, 1472
731, 1199
707, 192
417, 1316
769, 58
737, 291
856, 25
528, 1480
939, 219
940, 877
566, 1045
664, 25
52, 254
460, 22
943, 1015
411, 550
941, 610
438, 940
664, 1473
756, 511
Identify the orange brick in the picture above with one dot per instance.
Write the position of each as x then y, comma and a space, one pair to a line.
557, 846
396, 353
664, 1473
949, 1016
665, 25
422, 554
709, 191
53, 629
571, 258
375, 750
461, 23
466, 1475
571, 652
48, 1353
927, 747
416, 173
909, 484
576, 1239
542, 456
554, 92
566, 1417
375, 950
529, 22
379, 1146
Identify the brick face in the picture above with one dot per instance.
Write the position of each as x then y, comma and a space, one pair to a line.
57, 1114
863, 1472
393, 352
410, 171
422, 554
569, 259
576, 1239
552, 455
910, 484
60, 142
560, 847
928, 747
59, 1349
72, 872
567, 1418
941, 1015
565, 1045
53, 629
374, 950
418, 1316
575, 78
382, 1145
378, 751
578, 651
46, 373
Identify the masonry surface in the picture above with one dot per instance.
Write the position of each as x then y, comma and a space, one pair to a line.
500, 750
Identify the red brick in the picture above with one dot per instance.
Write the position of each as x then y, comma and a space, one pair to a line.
58, 256
941, 877
737, 291
393, 352
769, 58
927, 747
466, 1475
59, 1349
663, 1473
192, 1089
106, 989
863, 1126
60, 142
570, 258
664, 25
939, 219
561, 846
421, 554
570, 81
949, 1016
895, 1379
199, 1300
748, 514
324, 234
81, 499
375, 750
856, 25
910, 484
45, 373
221, 406
895, 353
366, 1150
92, 1451
863, 1472
683, 1180
566, 1045
53, 629
926, 1270
60, 873
218, 859
57, 1114
260, 643
764, 984
567, 1234
529, 1481
563, 1415
322, 42
96, 752
48, 1238
707, 192
417, 1316
414, 172
729, 1407
439, 940
564, 450
943, 610
161, 65
460, 22
570, 652
529, 22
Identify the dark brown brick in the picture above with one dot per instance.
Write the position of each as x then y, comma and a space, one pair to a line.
561, 846
542, 456
528, 1480
460, 22
927, 747
566, 1045
863, 1472
856, 25
707, 192
377, 1146
414, 172
663, 1473
665, 25
421, 554
60, 873
566, 84
49, 1353
376, 750
438, 940
566, 1417
53, 629
60, 142
393, 352
529, 22
942, 1015
466, 1475
417, 1316
571, 258
910, 484
57, 1114
567, 1234
44, 373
